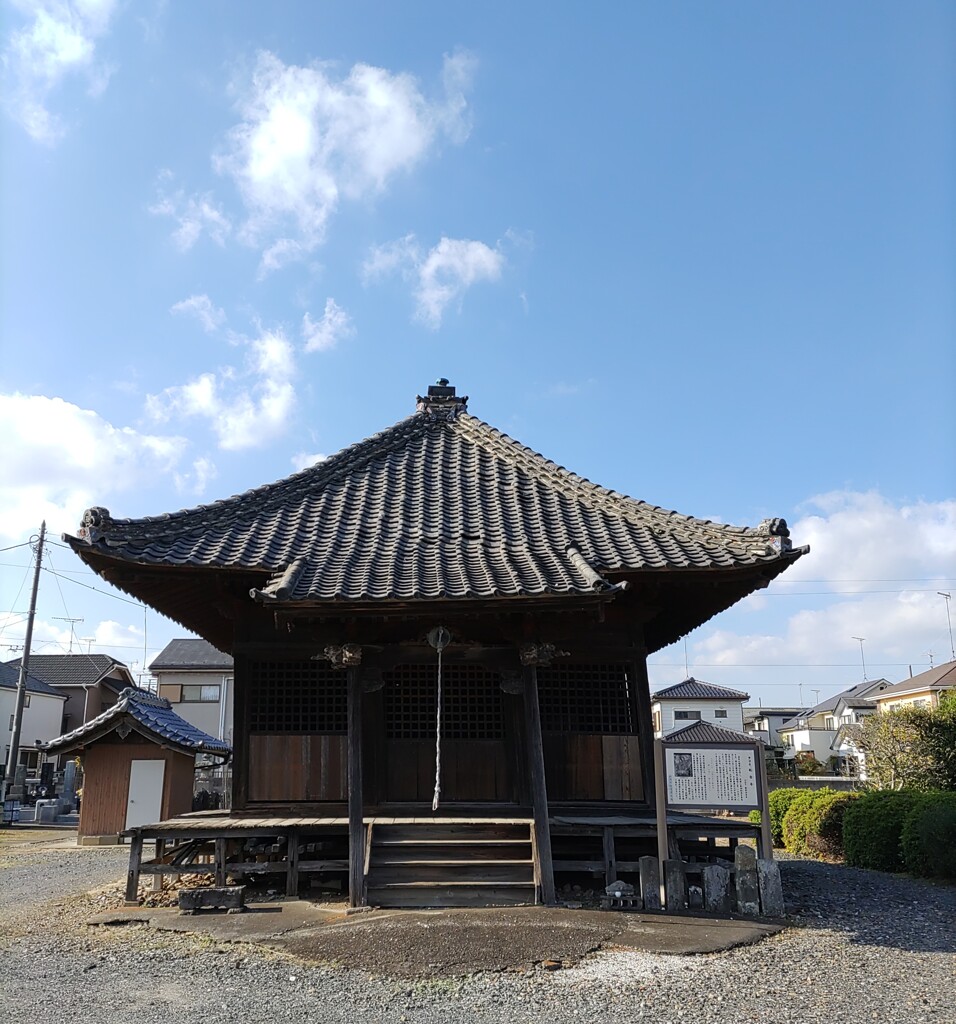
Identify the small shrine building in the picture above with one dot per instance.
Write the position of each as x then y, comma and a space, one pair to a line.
437, 624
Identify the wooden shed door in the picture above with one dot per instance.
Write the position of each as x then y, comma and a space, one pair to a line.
475, 750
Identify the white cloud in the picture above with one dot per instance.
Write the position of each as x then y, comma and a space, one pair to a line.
194, 214
308, 139
195, 481
303, 460
58, 41
442, 275
200, 306
326, 332
59, 459
873, 571
246, 406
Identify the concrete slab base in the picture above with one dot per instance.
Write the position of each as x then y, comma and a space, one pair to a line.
450, 943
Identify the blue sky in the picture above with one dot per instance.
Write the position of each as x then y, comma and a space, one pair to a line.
703, 254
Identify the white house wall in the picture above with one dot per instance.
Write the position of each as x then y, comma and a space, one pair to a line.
708, 713
41, 720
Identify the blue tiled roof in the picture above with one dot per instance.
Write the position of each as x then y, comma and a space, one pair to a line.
695, 689
155, 716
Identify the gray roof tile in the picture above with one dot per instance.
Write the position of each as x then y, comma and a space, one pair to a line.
696, 689
190, 654
154, 715
10, 679
704, 732
441, 505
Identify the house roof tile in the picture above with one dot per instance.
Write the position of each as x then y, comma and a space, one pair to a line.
153, 715
10, 678
75, 669
190, 654
705, 732
696, 689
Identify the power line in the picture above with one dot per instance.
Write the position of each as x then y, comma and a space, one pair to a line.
96, 590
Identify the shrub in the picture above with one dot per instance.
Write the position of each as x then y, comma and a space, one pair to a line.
928, 838
872, 826
824, 824
795, 821
780, 801
755, 817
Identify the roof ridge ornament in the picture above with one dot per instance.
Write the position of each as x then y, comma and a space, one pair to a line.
441, 403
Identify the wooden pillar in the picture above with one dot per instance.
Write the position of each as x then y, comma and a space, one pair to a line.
240, 732
539, 789
220, 861
356, 805
135, 860
160, 854
641, 695
292, 865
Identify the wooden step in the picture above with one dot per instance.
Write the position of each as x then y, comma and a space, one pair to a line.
415, 872
465, 894
451, 832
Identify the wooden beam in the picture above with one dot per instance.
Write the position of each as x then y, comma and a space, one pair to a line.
132, 875
539, 789
356, 809
641, 695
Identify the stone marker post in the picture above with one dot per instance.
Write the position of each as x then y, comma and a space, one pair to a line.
748, 893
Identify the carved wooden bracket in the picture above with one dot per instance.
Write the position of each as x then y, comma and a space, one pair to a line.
344, 656
540, 654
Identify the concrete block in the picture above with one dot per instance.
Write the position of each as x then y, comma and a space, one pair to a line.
227, 897
748, 893
650, 875
771, 888
719, 894
675, 885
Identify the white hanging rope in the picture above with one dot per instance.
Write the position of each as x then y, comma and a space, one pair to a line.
439, 638
438, 740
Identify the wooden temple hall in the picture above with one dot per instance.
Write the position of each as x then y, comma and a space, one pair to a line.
440, 642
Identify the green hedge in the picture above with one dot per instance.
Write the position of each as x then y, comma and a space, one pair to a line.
928, 837
824, 824
779, 802
873, 826
795, 820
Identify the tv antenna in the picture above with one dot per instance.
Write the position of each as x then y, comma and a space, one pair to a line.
861, 640
72, 622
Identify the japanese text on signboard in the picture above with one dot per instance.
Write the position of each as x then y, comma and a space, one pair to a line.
711, 778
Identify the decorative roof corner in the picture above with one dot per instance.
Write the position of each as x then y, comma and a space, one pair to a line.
280, 587
441, 402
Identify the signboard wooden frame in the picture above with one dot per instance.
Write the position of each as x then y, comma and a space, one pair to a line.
764, 842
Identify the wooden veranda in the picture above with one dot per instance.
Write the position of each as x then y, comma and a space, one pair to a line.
486, 860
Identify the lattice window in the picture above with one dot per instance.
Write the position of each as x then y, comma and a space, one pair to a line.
297, 697
472, 706
585, 698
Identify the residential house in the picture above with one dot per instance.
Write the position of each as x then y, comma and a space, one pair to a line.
814, 730
920, 691
42, 715
91, 683
693, 700
764, 723
196, 679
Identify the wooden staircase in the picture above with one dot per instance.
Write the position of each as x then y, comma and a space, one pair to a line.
438, 863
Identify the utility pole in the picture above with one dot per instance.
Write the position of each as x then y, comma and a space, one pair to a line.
947, 596
9, 778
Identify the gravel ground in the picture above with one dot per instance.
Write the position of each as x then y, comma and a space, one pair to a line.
864, 947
